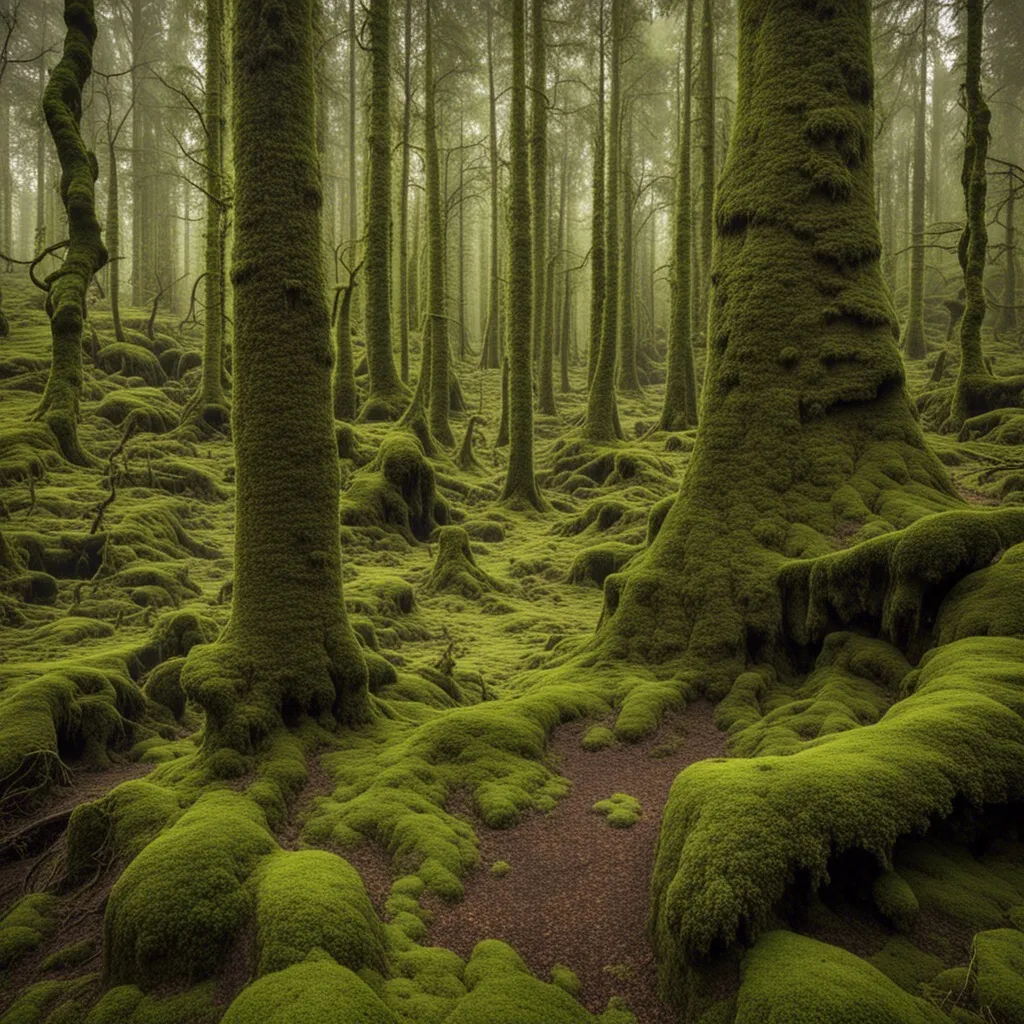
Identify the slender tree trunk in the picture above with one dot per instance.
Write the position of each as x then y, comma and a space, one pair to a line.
563, 352
707, 196
628, 380
138, 180
212, 404
414, 265
914, 340
597, 260
937, 133
353, 184
440, 394
1008, 314
66, 298
288, 648
679, 409
114, 242
387, 394
40, 235
546, 394
520, 482
461, 262
403, 201
344, 390
602, 415
538, 173
493, 344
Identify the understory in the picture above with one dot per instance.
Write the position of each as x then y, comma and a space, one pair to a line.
856, 857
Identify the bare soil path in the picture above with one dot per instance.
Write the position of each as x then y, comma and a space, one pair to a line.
578, 890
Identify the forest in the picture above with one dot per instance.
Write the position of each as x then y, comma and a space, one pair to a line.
511, 512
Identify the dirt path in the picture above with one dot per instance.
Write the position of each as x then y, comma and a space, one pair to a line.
578, 890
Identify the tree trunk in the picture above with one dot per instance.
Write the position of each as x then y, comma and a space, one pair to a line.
597, 272
387, 395
1008, 314
68, 286
288, 649
344, 390
914, 340
628, 381
679, 409
538, 175
792, 422
403, 202
520, 482
437, 325
114, 242
707, 96
602, 415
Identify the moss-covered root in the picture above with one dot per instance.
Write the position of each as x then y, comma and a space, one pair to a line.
805, 423
288, 648
734, 832
455, 569
788, 977
67, 287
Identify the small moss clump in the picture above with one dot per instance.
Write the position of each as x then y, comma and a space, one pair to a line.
500, 868
620, 810
598, 737
26, 925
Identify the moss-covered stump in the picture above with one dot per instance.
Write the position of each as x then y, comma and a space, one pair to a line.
455, 569
397, 492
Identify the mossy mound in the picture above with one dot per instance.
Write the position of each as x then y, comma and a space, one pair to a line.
598, 737
26, 925
596, 564
788, 977
139, 410
27, 451
620, 810
735, 833
455, 569
396, 492
129, 361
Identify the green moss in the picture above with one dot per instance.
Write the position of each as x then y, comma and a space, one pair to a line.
566, 979
895, 900
315, 992
26, 925
597, 737
35, 1002
596, 564
314, 899
735, 832
620, 810
791, 978
455, 569
74, 955
126, 1004
999, 962
500, 868
153, 934
902, 962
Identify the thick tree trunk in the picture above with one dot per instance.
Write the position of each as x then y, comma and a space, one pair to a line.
288, 649
520, 482
66, 298
679, 409
801, 407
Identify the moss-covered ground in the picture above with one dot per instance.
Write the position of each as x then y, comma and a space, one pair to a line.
856, 858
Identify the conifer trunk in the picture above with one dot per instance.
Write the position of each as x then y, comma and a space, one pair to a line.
597, 273
288, 649
114, 241
538, 176
628, 380
68, 285
707, 200
403, 202
491, 356
520, 483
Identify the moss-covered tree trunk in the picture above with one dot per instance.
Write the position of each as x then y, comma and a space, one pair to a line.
288, 649
114, 240
437, 321
602, 415
65, 300
1008, 314
520, 482
628, 379
914, 341
707, 195
597, 274
387, 394
212, 406
976, 389
807, 433
346, 397
679, 408
490, 357
403, 201
538, 173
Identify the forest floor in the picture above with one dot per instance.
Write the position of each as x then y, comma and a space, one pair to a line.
561, 885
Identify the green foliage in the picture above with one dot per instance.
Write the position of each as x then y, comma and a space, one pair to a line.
25, 926
597, 737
